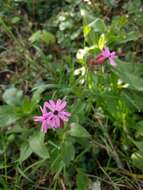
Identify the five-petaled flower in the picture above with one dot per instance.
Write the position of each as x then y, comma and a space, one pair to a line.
53, 115
106, 54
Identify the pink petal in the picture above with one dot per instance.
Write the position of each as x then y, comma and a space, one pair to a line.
49, 106
63, 117
112, 62
67, 114
62, 106
44, 126
38, 118
50, 116
41, 110
44, 109
57, 122
53, 123
52, 104
58, 103
106, 52
113, 54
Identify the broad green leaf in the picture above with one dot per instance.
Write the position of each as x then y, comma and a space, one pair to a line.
13, 96
36, 142
67, 152
139, 127
123, 71
15, 19
137, 160
98, 25
35, 37
139, 145
131, 36
47, 37
27, 107
8, 115
42, 36
133, 7
82, 181
25, 151
133, 80
87, 18
78, 131
133, 100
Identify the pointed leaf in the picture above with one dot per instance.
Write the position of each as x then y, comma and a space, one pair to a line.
37, 145
78, 131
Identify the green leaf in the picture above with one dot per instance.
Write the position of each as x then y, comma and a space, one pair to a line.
48, 37
123, 71
27, 107
25, 151
8, 115
139, 145
36, 142
38, 90
67, 152
35, 37
13, 96
101, 42
42, 36
137, 160
98, 25
131, 36
82, 181
86, 30
15, 19
139, 127
78, 131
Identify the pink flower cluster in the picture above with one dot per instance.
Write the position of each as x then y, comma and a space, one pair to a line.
53, 115
106, 54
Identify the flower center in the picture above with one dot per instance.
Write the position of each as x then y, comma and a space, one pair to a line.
55, 112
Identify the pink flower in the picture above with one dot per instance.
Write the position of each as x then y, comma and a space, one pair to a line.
109, 55
43, 119
106, 54
58, 115
53, 115
100, 59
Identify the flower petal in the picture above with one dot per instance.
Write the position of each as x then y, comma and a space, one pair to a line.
53, 123
113, 54
38, 118
49, 106
62, 106
44, 126
50, 116
67, 114
58, 103
106, 52
112, 62
63, 117
52, 104
57, 122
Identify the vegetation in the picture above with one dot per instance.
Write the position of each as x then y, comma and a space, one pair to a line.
50, 50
